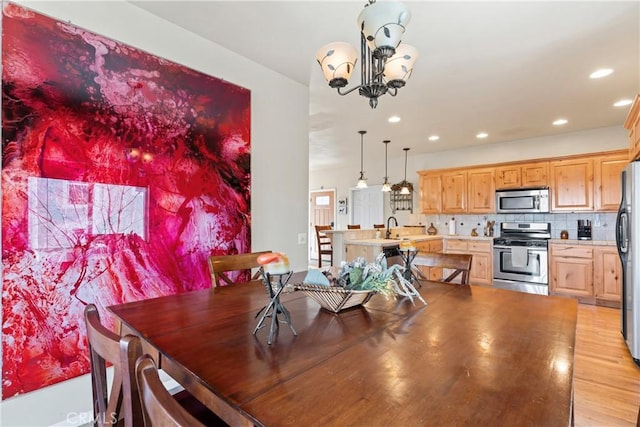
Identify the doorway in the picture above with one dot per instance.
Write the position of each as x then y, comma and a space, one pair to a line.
322, 211
367, 206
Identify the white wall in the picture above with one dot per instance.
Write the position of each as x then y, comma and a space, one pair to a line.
279, 110
594, 140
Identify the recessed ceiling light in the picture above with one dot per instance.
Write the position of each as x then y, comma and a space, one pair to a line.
560, 122
623, 103
434, 138
602, 72
482, 135
394, 119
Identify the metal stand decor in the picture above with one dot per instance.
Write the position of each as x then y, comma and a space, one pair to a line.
274, 307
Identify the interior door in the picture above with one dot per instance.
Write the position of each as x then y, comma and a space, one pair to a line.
367, 206
322, 212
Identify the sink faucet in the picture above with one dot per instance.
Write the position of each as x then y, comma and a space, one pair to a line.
388, 233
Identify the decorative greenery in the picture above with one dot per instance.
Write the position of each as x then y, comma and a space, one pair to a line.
375, 276
398, 186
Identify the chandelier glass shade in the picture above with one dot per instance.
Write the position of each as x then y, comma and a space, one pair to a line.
386, 187
362, 181
385, 63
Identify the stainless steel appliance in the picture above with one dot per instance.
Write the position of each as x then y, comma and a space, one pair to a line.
628, 242
520, 257
531, 200
584, 229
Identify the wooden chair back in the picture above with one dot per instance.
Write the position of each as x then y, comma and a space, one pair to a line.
158, 406
122, 405
353, 227
219, 265
378, 225
324, 244
459, 263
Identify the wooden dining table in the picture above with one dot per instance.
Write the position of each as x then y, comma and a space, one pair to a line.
471, 356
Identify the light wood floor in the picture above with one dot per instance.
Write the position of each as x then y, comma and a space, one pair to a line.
606, 380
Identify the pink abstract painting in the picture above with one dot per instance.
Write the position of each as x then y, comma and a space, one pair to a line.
121, 173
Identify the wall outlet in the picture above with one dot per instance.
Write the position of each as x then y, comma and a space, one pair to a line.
302, 238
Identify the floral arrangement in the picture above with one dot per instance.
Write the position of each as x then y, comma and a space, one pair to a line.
361, 275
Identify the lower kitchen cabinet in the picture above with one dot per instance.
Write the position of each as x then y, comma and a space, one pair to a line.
482, 262
607, 276
430, 246
591, 273
368, 252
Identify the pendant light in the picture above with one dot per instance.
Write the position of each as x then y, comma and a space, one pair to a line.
386, 187
405, 185
362, 182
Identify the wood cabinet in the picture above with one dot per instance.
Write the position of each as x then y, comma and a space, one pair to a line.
431, 193
481, 190
571, 184
482, 262
430, 246
607, 276
454, 191
522, 175
571, 271
368, 252
593, 274
632, 124
607, 190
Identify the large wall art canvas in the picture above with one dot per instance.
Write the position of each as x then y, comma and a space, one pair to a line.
121, 173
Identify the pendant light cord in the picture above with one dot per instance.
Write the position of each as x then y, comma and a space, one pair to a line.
362, 132
406, 151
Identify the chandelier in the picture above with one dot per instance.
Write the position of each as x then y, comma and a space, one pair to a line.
385, 63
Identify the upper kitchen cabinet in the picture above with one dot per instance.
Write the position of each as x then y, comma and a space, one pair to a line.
607, 188
454, 191
632, 124
431, 192
481, 190
571, 184
522, 175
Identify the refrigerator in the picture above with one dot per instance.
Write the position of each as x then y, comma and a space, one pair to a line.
628, 243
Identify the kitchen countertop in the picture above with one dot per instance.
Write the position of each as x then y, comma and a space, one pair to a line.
415, 238
584, 242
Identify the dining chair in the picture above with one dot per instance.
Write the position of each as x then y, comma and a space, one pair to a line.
353, 227
158, 406
324, 244
122, 405
378, 225
459, 263
221, 265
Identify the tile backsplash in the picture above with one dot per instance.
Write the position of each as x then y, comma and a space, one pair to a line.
602, 224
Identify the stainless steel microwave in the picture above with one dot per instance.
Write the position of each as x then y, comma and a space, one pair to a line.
529, 200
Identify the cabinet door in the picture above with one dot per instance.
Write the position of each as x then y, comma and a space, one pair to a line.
571, 185
607, 273
535, 174
481, 268
431, 193
571, 276
607, 189
356, 251
481, 185
454, 192
508, 177
632, 124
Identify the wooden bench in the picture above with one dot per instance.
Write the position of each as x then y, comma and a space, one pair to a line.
459, 263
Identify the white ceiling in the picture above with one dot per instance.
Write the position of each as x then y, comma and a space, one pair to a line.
506, 68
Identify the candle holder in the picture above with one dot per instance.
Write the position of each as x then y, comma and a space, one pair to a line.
274, 307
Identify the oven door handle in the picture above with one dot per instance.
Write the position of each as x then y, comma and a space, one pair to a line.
530, 250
